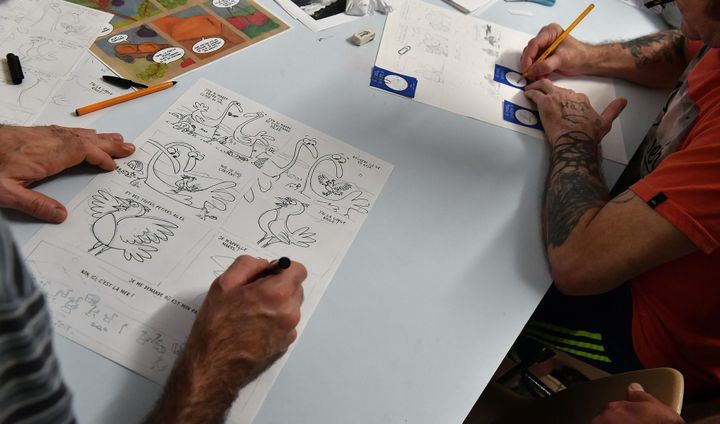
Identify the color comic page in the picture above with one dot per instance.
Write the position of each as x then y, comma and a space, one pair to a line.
151, 41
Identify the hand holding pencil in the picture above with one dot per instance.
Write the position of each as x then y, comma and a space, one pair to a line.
544, 54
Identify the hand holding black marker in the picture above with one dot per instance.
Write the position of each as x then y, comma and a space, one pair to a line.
276, 267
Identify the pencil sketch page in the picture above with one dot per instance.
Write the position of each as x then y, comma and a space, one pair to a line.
50, 38
470, 67
216, 176
83, 86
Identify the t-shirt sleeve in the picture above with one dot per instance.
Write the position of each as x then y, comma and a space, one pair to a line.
693, 47
690, 179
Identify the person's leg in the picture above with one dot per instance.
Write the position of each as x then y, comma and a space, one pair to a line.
595, 329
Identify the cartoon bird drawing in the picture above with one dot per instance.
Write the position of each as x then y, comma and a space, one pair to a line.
123, 224
273, 170
324, 184
197, 123
275, 225
232, 134
171, 172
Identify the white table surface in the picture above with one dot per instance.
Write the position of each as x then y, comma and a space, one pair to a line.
449, 264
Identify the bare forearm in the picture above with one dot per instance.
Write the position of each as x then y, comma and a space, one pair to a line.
655, 60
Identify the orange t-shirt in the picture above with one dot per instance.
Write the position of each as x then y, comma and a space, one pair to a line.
676, 306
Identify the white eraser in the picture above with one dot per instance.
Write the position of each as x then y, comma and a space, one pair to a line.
363, 37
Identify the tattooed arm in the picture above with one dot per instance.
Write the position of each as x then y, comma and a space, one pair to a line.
594, 243
655, 60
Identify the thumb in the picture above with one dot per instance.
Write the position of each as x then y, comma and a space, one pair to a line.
35, 204
612, 111
636, 393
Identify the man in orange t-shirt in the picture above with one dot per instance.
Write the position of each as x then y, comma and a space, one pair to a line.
636, 269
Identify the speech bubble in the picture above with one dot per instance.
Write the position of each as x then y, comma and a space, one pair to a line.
225, 3
118, 38
208, 45
107, 29
170, 54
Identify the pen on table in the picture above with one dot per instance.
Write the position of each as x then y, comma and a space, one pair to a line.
562, 36
124, 98
122, 82
16, 73
276, 267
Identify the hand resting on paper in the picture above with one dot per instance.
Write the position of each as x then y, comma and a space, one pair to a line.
568, 58
243, 326
30, 154
565, 113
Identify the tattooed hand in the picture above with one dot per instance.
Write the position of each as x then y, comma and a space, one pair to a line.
568, 58
562, 111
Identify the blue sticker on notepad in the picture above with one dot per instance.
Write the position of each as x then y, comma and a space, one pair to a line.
509, 77
393, 82
521, 116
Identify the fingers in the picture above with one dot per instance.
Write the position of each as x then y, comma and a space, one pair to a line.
242, 271
636, 393
544, 67
34, 204
612, 111
537, 45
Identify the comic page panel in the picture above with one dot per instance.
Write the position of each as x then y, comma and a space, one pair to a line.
328, 172
96, 305
123, 227
201, 181
285, 225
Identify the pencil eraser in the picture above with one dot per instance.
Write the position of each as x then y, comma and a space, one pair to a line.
363, 37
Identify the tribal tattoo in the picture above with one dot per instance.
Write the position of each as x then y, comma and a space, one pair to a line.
574, 185
668, 46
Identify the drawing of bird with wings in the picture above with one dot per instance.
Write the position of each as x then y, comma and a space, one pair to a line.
276, 228
123, 224
172, 172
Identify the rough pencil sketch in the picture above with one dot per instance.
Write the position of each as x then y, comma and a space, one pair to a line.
49, 37
124, 225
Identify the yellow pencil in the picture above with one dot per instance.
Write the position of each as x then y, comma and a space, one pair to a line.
124, 98
562, 36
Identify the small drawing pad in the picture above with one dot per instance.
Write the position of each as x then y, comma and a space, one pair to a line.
393, 82
521, 116
509, 77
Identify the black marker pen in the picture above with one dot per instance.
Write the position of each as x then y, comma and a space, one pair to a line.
16, 72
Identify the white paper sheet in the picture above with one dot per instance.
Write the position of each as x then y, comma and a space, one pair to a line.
472, 6
306, 11
454, 57
49, 37
83, 86
216, 176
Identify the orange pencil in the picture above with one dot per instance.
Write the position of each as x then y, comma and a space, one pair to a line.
562, 36
124, 98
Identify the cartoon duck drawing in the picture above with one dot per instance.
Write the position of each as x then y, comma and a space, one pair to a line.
324, 184
197, 123
171, 172
123, 224
232, 134
276, 227
273, 170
